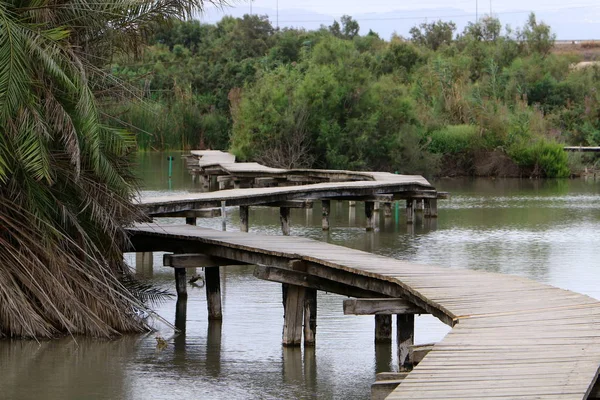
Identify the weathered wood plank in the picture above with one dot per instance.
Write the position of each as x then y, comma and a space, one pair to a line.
195, 261
380, 306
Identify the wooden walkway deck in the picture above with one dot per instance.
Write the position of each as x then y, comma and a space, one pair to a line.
512, 338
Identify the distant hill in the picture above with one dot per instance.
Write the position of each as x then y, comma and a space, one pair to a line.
568, 24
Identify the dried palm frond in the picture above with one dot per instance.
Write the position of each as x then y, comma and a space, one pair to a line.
65, 180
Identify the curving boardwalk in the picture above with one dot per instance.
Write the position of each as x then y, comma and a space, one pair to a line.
512, 338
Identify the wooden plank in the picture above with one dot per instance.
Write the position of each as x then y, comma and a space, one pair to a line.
195, 261
545, 345
303, 279
380, 306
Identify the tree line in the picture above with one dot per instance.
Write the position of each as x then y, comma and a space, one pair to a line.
485, 101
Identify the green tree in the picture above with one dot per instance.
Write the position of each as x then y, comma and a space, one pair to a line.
66, 189
433, 35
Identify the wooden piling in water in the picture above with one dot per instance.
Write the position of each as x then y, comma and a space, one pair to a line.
387, 210
405, 334
369, 213
244, 212
180, 282
433, 208
284, 217
325, 209
383, 328
310, 316
293, 316
212, 281
351, 203
410, 211
190, 221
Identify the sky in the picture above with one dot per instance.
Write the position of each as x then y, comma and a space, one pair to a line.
577, 19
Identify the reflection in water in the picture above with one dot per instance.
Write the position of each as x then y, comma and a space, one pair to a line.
544, 230
383, 357
68, 368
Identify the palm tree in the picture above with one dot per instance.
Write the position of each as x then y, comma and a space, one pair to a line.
65, 181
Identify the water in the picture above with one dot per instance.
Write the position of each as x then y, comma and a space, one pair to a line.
544, 230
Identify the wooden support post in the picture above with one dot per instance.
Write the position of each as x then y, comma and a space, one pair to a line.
244, 211
180, 282
190, 220
376, 206
284, 216
419, 205
387, 210
293, 318
369, 207
325, 207
383, 328
213, 293
181, 313
405, 334
352, 203
410, 211
310, 317
433, 207
427, 208
223, 216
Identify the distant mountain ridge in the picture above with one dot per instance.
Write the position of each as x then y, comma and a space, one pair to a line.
568, 24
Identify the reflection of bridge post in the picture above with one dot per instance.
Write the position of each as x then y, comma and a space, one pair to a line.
144, 264
213, 347
292, 364
383, 356
310, 367
352, 213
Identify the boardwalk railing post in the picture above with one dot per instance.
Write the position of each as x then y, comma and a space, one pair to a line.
310, 316
213, 293
383, 328
284, 216
244, 211
410, 211
405, 334
325, 208
369, 208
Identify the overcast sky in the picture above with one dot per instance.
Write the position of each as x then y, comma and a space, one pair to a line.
575, 19
340, 7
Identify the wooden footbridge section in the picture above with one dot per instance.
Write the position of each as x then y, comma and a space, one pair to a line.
512, 338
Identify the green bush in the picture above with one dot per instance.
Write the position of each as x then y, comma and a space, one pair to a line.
453, 139
543, 158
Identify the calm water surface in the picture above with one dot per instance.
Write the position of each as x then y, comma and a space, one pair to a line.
548, 231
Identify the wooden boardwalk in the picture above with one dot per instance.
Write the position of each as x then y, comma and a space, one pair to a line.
512, 338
